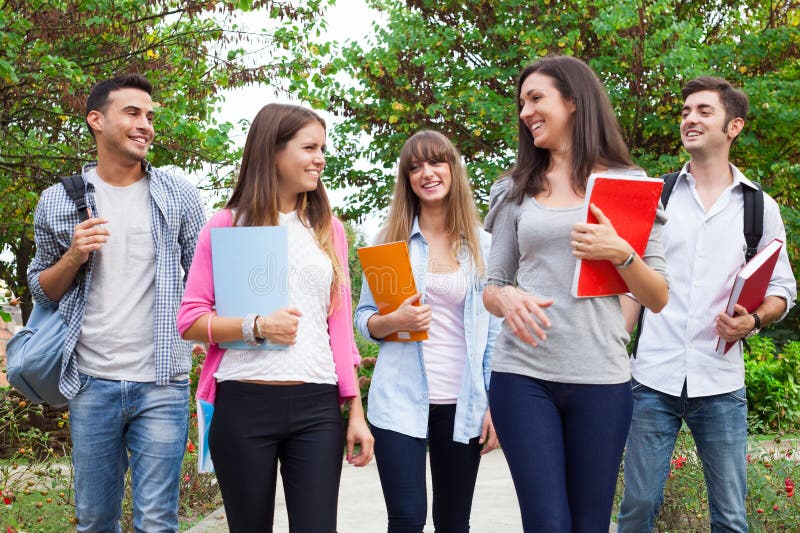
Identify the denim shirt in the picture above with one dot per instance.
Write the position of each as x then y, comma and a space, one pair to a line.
398, 394
176, 219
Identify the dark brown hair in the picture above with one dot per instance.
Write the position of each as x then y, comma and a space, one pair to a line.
98, 97
596, 136
734, 101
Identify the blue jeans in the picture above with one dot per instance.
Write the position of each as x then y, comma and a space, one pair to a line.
454, 469
117, 423
719, 427
563, 443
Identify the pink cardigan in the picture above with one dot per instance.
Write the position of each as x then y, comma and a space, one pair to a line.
198, 300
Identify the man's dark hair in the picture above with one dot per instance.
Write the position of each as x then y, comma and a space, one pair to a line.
733, 100
98, 98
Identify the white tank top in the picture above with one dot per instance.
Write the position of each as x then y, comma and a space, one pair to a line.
445, 350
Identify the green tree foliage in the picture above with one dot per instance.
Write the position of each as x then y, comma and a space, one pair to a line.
452, 66
53, 51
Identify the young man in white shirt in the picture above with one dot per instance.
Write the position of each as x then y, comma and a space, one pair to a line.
677, 373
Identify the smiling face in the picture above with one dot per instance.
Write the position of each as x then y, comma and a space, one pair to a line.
299, 164
123, 129
430, 181
704, 126
546, 113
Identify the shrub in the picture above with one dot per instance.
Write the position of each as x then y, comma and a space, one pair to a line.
772, 470
35, 480
773, 393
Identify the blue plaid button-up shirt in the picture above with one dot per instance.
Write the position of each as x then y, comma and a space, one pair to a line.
176, 219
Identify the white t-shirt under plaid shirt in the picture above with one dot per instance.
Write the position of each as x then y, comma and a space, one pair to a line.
176, 219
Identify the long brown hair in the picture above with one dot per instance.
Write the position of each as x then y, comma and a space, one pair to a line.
255, 197
462, 218
596, 136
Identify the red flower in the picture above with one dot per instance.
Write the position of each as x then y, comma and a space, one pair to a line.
6, 500
190, 447
775, 507
759, 511
679, 461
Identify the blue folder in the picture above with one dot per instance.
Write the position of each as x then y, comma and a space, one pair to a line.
205, 411
250, 274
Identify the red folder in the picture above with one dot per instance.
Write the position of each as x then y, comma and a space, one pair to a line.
751, 284
630, 204
387, 269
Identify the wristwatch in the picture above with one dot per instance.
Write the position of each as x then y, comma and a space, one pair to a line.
756, 328
628, 262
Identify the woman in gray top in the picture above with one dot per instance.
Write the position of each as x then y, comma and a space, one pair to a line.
560, 396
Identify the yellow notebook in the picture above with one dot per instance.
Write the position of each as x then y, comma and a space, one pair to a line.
387, 270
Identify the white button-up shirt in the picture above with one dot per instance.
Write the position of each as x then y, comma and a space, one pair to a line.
704, 251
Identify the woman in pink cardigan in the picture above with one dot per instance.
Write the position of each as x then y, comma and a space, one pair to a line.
271, 405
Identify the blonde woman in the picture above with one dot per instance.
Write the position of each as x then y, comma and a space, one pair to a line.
432, 394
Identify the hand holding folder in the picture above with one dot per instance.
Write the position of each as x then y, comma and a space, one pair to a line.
630, 204
751, 285
250, 267
387, 269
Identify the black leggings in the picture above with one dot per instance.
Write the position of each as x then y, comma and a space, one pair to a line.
256, 425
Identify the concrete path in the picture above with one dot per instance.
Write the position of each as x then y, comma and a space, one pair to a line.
362, 510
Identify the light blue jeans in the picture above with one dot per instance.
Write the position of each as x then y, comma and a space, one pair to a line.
117, 423
719, 427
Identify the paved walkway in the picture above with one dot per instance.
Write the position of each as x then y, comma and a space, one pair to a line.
361, 507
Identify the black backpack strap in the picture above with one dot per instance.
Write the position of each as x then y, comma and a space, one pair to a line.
753, 218
76, 189
669, 183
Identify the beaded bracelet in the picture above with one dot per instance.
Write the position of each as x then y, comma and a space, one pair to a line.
261, 337
248, 336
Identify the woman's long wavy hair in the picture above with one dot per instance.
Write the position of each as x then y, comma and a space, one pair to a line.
596, 136
255, 197
462, 218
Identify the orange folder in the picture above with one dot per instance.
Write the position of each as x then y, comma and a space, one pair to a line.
387, 269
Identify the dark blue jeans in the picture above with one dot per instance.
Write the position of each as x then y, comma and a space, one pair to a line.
563, 443
454, 468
